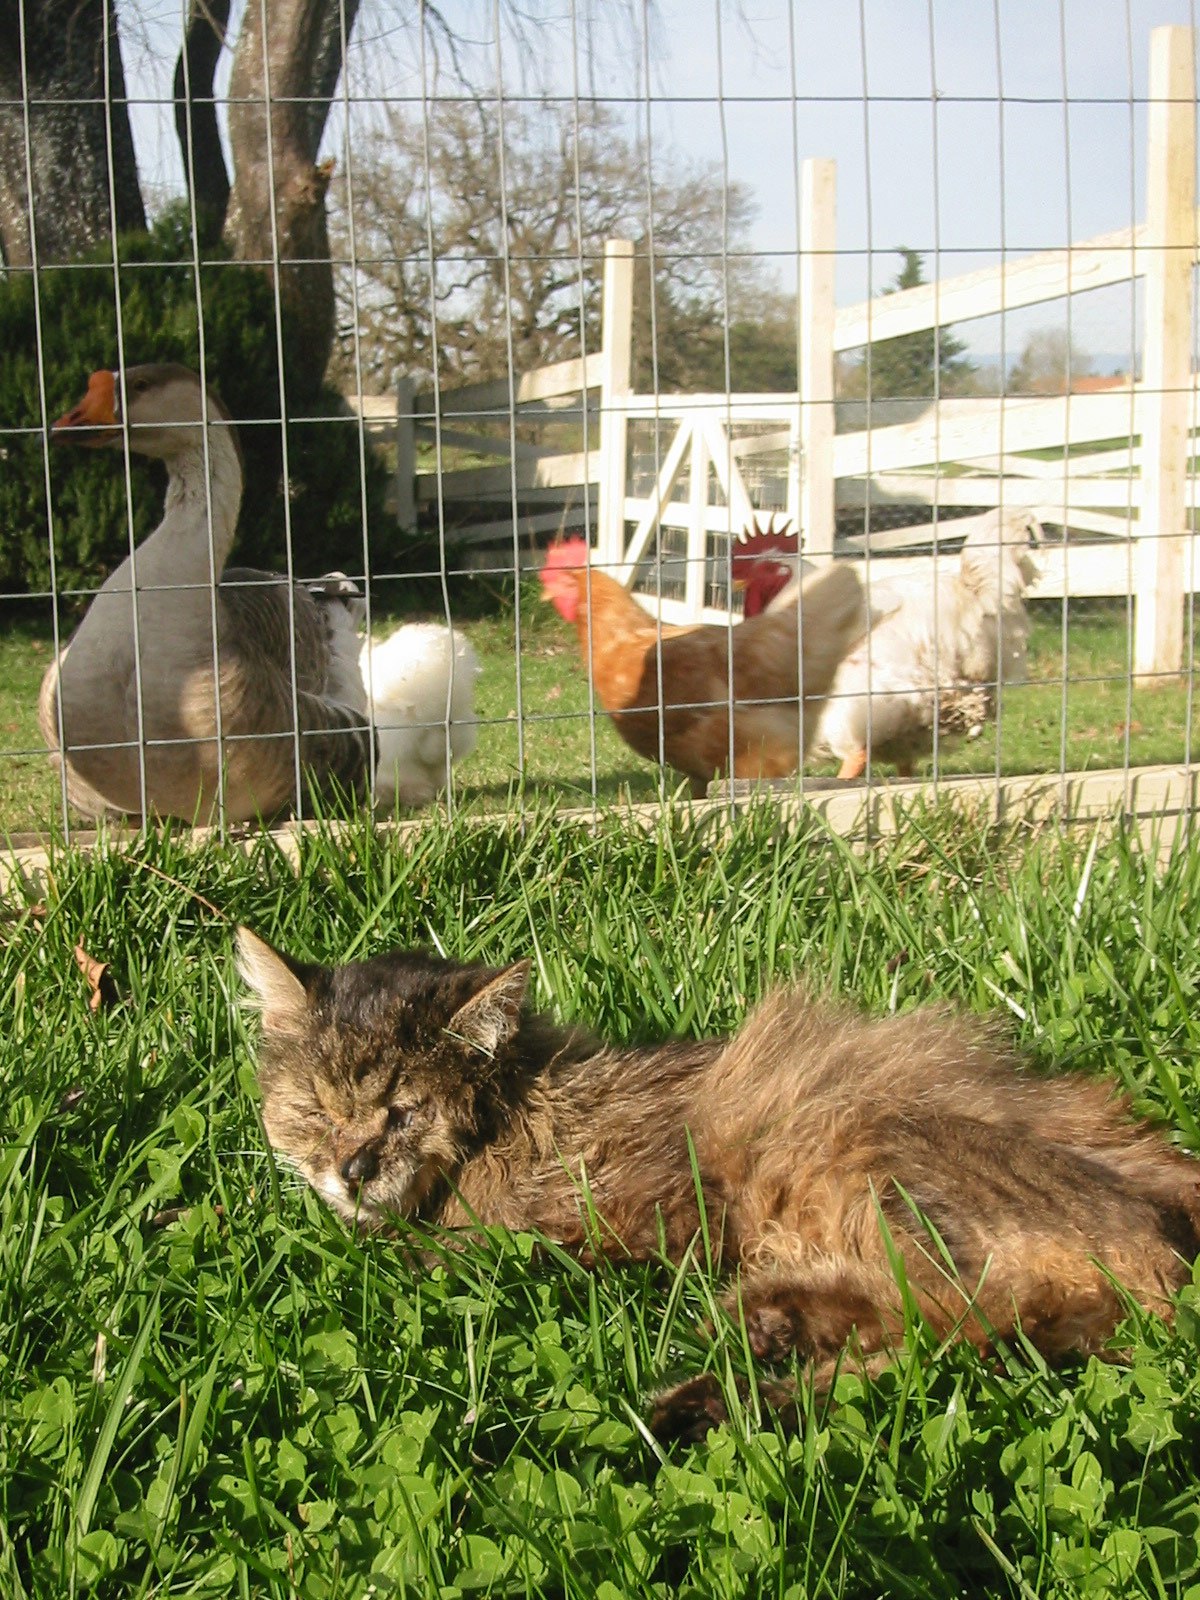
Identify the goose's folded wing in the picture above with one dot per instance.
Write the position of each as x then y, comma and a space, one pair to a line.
258, 621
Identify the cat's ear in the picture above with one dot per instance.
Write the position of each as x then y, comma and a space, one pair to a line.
274, 982
491, 1017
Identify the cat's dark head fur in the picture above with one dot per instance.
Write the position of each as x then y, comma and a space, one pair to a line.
379, 1076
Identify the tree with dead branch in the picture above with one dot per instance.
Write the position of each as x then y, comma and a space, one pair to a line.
516, 212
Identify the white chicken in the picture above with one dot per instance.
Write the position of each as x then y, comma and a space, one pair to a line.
936, 653
933, 653
421, 682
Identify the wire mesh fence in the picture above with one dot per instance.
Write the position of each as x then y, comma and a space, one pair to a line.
592, 398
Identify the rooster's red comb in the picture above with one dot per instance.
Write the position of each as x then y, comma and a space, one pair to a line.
566, 553
759, 539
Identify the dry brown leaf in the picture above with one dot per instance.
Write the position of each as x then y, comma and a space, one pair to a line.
13, 913
99, 980
164, 1219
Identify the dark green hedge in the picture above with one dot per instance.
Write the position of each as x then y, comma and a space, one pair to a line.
159, 322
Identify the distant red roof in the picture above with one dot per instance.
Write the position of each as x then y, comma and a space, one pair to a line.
1094, 383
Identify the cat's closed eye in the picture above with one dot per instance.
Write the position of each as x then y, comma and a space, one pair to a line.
400, 1117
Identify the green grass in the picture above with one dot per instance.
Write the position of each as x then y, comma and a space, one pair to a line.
555, 748
1092, 721
29, 793
208, 1387
1078, 710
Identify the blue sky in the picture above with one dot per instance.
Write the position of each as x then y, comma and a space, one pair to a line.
962, 128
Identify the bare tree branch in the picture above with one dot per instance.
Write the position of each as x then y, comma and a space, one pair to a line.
196, 115
534, 282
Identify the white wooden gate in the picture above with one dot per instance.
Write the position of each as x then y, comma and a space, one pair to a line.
1125, 508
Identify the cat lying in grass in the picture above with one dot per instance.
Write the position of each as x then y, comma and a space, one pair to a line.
826, 1144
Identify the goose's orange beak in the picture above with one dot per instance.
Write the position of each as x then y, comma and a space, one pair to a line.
95, 417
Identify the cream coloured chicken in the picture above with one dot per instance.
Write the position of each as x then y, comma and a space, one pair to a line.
933, 654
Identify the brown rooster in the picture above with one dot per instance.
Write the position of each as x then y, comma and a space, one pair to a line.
778, 659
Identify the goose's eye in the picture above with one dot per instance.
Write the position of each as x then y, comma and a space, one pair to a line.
399, 1116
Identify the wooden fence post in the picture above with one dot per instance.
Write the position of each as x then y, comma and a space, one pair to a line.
1166, 361
696, 571
616, 352
406, 456
818, 240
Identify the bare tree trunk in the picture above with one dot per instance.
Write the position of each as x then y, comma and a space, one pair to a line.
196, 115
279, 96
76, 103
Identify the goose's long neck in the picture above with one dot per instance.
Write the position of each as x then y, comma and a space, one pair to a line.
204, 494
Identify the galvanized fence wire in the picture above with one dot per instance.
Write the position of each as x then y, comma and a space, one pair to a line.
433, 324
586, 485
189, 159
660, 687
43, 416
1122, 590
357, 370
1194, 366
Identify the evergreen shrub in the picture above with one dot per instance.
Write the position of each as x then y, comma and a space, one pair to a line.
160, 322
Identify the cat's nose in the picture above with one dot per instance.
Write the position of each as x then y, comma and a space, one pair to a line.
360, 1168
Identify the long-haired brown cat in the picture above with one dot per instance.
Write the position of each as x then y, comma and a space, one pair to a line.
826, 1145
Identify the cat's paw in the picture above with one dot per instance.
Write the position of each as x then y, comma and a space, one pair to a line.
773, 1330
686, 1412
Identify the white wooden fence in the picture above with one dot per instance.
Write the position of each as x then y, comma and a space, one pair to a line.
437, 427
1124, 508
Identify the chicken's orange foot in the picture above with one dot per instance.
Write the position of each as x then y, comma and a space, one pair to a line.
853, 766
